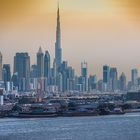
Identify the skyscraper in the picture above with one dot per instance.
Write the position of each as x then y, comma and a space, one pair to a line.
122, 82
34, 71
58, 50
40, 63
84, 75
7, 72
0, 66
92, 82
22, 68
47, 65
105, 74
134, 79
106, 78
113, 79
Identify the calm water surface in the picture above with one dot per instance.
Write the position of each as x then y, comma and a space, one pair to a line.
123, 127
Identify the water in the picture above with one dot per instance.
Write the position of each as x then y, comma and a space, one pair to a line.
121, 127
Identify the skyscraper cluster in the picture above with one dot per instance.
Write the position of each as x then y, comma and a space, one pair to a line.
60, 77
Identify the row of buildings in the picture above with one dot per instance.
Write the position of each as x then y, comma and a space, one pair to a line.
60, 78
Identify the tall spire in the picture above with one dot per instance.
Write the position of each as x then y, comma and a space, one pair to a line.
58, 56
58, 9
58, 30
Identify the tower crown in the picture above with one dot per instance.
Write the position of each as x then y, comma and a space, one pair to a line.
40, 50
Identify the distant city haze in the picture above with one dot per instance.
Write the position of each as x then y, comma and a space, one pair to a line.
97, 31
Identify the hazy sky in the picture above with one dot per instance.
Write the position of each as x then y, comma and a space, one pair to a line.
97, 31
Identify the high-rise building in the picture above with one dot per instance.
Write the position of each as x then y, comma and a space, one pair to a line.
40, 63
100, 85
134, 78
84, 75
7, 76
58, 50
47, 65
1, 97
22, 68
106, 77
60, 82
7, 72
0, 66
34, 71
33, 77
15, 81
129, 85
139, 81
122, 82
47, 70
113, 79
92, 82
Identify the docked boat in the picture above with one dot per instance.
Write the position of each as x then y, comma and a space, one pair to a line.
79, 113
36, 115
116, 111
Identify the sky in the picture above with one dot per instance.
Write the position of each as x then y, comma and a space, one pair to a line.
97, 31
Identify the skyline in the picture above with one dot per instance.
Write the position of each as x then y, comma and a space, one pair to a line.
75, 35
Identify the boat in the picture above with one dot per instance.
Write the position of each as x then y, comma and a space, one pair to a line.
104, 111
36, 115
79, 113
116, 111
